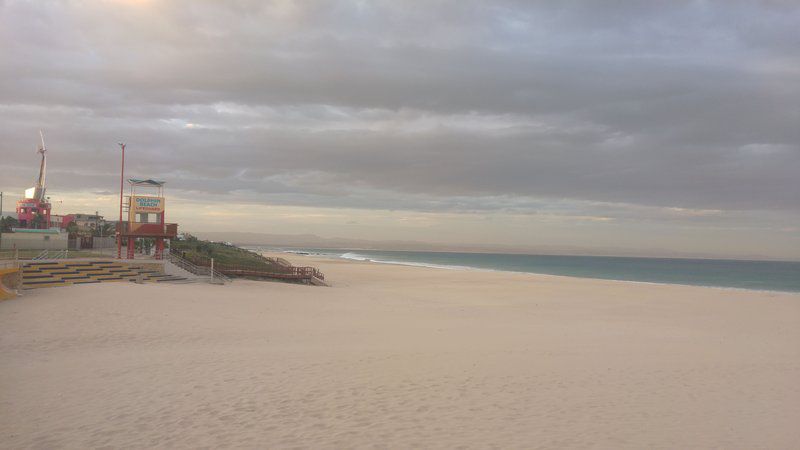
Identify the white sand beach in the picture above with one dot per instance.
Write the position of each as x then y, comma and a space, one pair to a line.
398, 357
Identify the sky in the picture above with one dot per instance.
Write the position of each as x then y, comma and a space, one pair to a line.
618, 126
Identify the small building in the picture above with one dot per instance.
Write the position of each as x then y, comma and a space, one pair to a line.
85, 222
56, 221
33, 213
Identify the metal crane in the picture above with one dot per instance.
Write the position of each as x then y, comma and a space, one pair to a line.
41, 185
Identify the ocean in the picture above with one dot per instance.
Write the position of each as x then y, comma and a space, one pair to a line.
758, 275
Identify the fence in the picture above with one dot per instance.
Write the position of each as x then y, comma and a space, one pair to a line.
203, 271
9, 259
279, 261
277, 269
92, 243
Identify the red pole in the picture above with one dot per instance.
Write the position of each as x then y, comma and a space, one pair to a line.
121, 188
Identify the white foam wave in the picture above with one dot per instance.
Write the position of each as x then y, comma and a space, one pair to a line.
429, 265
355, 256
360, 257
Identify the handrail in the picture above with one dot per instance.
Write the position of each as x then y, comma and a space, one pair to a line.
286, 272
186, 265
282, 269
45, 254
278, 260
217, 274
195, 269
61, 254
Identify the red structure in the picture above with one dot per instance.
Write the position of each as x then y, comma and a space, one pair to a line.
146, 217
33, 211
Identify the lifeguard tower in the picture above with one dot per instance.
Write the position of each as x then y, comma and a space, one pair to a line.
145, 210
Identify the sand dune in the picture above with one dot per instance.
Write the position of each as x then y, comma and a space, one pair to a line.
396, 357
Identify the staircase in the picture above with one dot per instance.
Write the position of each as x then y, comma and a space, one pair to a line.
212, 275
37, 274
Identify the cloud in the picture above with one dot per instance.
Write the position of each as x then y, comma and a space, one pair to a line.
431, 106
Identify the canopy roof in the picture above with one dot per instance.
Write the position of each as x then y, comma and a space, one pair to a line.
147, 182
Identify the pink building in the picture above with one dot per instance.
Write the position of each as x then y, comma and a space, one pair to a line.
29, 209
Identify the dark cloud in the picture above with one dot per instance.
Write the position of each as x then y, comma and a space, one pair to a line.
422, 105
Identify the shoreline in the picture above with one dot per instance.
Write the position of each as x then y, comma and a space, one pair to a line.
588, 255
275, 253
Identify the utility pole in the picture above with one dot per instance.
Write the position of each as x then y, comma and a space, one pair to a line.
98, 229
121, 187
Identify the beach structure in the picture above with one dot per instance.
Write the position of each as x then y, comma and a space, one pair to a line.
10, 279
83, 222
34, 228
38, 229
145, 211
262, 268
33, 211
65, 272
39, 252
46, 255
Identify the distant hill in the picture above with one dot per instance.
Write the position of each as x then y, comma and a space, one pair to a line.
314, 241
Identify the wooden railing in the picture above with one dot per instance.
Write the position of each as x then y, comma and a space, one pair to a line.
293, 272
283, 270
278, 260
204, 271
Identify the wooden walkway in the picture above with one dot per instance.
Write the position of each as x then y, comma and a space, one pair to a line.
273, 268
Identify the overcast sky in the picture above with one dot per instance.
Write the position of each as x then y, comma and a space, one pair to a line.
658, 126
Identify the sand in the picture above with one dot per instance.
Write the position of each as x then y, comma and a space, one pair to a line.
398, 357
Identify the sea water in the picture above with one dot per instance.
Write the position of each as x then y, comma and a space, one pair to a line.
758, 275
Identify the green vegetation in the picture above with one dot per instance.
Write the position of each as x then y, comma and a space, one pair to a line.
72, 229
199, 252
37, 221
107, 229
7, 223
